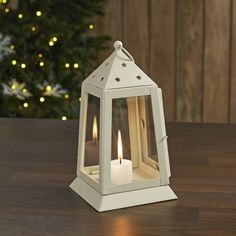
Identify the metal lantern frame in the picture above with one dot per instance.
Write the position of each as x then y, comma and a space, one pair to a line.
119, 77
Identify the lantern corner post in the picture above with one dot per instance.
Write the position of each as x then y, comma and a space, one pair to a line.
105, 137
82, 129
160, 134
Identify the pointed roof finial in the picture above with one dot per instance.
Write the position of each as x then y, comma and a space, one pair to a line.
118, 45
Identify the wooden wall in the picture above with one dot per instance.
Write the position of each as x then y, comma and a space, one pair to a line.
187, 46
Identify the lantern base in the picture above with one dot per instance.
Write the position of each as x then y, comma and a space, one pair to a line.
121, 200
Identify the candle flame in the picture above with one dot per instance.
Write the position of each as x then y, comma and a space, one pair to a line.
95, 129
119, 147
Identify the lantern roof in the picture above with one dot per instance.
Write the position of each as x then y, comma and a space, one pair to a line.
118, 71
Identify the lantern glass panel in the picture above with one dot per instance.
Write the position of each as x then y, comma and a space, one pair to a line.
120, 122
133, 118
147, 132
91, 148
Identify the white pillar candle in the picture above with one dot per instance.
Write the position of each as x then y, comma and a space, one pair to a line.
121, 169
121, 172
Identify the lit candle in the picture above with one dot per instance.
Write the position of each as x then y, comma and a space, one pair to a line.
119, 147
92, 147
121, 169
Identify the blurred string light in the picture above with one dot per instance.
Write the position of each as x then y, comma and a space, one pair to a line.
6, 10
48, 88
13, 62
42, 99
76, 65
66, 96
38, 13
67, 65
80, 99
25, 104
23, 65
24, 90
40, 55
51, 43
20, 16
91, 26
4, 1
64, 118
14, 86
41, 63
33, 28
12, 47
54, 39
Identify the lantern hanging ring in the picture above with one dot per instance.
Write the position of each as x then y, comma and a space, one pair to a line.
118, 45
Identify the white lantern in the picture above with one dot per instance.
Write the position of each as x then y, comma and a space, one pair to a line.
122, 151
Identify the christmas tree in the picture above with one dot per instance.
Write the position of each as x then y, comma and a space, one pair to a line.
46, 49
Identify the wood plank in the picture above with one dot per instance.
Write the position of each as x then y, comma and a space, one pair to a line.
136, 31
217, 215
216, 66
162, 51
189, 60
110, 24
233, 63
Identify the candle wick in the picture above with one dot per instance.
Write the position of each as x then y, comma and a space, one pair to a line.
120, 161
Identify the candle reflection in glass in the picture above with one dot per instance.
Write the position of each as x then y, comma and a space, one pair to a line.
92, 146
95, 130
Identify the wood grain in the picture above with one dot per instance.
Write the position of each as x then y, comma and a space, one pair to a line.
188, 48
162, 51
136, 31
189, 60
110, 24
233, 64
38, 161
216, 61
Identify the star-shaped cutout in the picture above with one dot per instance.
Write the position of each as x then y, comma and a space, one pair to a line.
117, 79
102, 78
123, 64
138, 77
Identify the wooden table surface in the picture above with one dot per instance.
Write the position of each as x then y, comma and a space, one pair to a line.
38, 161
